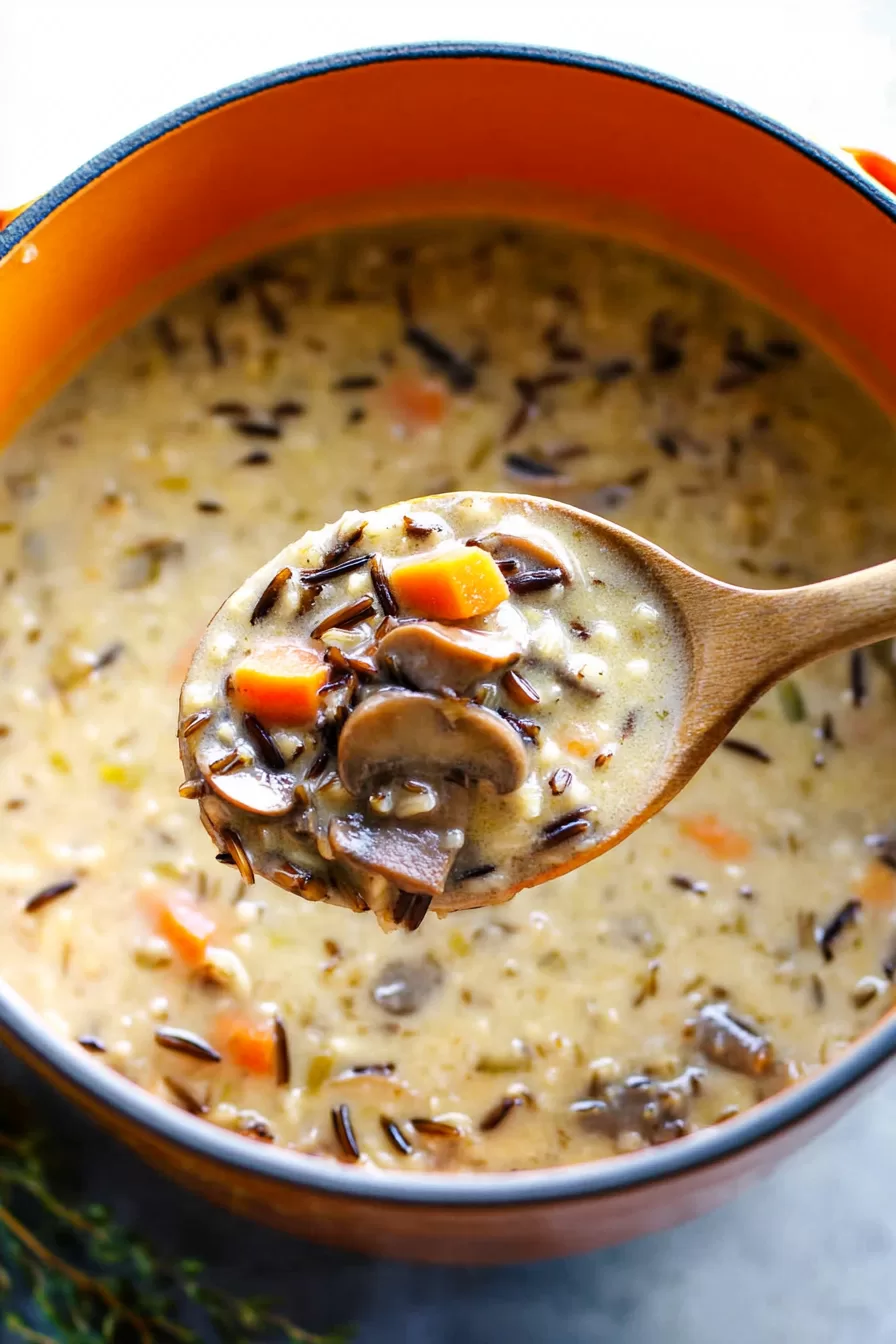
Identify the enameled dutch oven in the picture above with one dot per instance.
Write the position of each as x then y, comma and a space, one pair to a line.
449, 131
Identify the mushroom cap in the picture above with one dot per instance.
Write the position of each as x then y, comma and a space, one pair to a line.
410, 857
534, 547
396, 733
256, 790
435, 657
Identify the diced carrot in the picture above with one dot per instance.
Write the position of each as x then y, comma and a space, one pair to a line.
250, 1045
280, 684
415, 402
878, 166
584, 747
719, 840
181, 923
450, 585
877, 886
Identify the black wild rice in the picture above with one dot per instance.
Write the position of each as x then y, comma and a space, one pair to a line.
186, 1043
48, 894
226, 859
755, 753
664, 349
560, 780
410, 909
167, 337
858, 677
356, 415
528, 729
685, 883
258, 429
524, 465
355, 382
229, 408
185, 1096
520, 689
649, 985
817, 990
193, 722
395, 1136
611, 370
534, 580
265, 746
345, 1134
282, 1065
343, 544
192, 788
318, 764
369, 1071
561, 349
668, 444
287, 409
779, 347
213, 345
270, 312
566, 827
209, 506
837, 924
460, 372
436, 1129
229, 291
334, 571
270, 594
343, 618
257, 458
92, 1044
224, 764
234, 847
382, 587
498, 1113
471, 874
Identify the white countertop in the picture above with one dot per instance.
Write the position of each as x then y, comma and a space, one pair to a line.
75, 75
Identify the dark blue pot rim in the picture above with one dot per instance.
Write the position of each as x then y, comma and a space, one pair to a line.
495, 1189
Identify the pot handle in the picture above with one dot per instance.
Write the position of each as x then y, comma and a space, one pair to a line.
878, 166
7, 216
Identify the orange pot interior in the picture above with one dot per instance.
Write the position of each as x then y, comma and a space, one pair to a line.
449, 135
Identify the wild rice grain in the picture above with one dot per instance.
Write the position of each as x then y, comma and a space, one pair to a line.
186, 1043
560, 780
353, 613
382, 587
283, 1068
234, 846
265, 746
750, 749
194, 722
185, 1096
345, 1134
270, 595
498, 1113
334, 571
519, 689
48, 894
395, 1136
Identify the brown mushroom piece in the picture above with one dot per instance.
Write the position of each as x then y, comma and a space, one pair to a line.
412, 858
396, 733
256, 790
436, 657
532, 550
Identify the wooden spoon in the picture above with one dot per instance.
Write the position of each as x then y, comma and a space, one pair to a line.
740, 642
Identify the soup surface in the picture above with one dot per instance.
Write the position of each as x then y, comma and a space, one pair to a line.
742, 937
346, 742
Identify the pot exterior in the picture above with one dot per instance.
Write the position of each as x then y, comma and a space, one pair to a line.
464, 131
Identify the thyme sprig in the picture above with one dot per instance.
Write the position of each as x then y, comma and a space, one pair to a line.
87, 1279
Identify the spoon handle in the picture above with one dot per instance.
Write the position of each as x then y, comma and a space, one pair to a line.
798, 625
744, 640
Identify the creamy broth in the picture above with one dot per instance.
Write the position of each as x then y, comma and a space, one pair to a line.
345, 742
742, 938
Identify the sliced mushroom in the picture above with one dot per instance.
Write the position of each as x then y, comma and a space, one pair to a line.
434, 657
410, 857
396, 733
256, 790
533, 548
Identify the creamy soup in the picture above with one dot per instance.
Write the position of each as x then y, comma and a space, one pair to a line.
381, 716
739, 940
